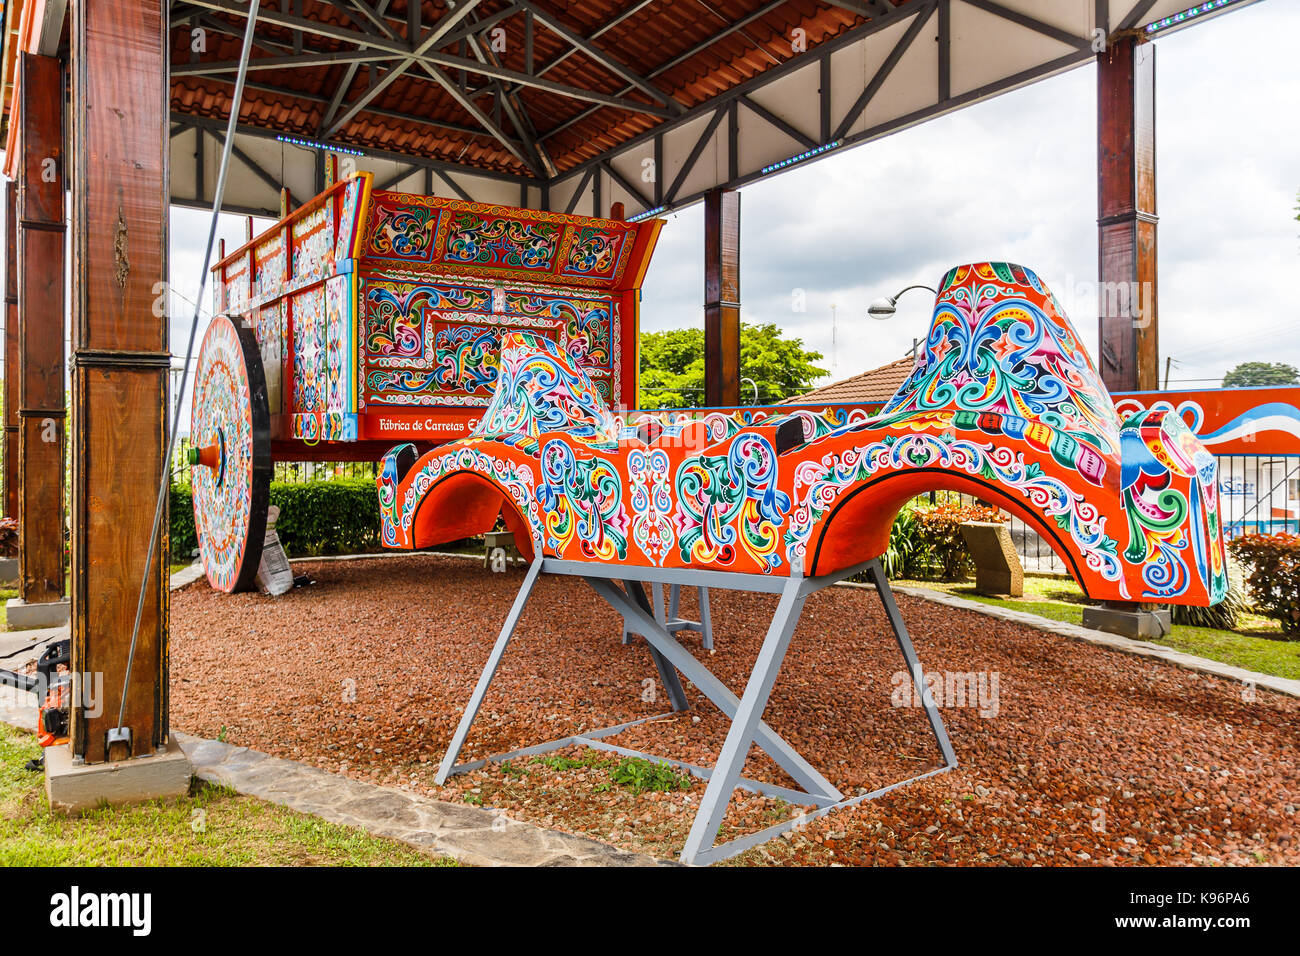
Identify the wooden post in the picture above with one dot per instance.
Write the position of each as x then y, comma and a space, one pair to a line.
1126, 215
12, 360
41, 408
721, 298
120, 364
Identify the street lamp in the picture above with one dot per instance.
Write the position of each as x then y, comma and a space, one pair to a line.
885, 307
753, 383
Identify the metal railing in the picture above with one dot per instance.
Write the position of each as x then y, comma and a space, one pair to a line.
1257, 494
291, 471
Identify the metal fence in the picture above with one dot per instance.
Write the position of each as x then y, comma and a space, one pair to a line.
291, 471
1257, 493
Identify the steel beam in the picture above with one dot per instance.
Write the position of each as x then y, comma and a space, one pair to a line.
427, 43
597, 55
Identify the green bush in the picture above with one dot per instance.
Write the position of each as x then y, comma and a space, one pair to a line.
1274, 580
340, 516
906, 546
184, 538
1222, 616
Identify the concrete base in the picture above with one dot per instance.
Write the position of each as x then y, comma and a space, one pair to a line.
998, 570
8, 570
1141, 625
22, 616
73, 787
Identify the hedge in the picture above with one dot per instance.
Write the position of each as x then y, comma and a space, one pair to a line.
1274, 579
339, 516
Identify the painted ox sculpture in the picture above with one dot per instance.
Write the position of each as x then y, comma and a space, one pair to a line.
1003, 403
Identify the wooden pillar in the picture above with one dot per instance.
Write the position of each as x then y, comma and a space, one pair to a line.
12, 360
1126, 211
721, 298
120, 363
41, 408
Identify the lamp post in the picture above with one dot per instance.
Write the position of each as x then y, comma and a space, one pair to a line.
885, 307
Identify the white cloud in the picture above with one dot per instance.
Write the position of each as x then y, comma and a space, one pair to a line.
1015, 178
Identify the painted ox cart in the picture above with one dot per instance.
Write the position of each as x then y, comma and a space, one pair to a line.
1003, 403
367, 317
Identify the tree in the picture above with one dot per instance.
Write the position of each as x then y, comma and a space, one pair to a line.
672, 366
1249, 374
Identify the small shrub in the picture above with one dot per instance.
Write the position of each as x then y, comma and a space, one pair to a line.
946, 556
1223, 616
640, 775
339, 516
906, 546
1274, 579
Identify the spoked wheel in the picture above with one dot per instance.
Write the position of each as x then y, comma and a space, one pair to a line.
230, 455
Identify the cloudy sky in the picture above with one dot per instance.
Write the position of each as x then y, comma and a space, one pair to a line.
1014, 178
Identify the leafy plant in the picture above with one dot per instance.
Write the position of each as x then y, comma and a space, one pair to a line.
1274, 579
907, 547
640, 775
946, 556
1222, 616
339, 516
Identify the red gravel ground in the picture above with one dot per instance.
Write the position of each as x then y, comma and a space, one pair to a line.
1093, 757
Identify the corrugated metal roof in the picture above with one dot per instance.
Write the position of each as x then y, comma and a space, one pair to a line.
691, 50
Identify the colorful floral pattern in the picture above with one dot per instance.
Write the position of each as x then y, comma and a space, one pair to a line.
501, 241
403, 230
1003, 403
222, 416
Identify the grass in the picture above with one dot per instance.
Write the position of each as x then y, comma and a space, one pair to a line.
1256, 646
632, 773
213, 826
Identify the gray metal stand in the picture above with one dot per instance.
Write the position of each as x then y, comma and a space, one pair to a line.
672, 619
747, 727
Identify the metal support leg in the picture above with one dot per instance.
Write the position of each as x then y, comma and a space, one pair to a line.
820, 790
706, 619
489, 670
656, 590
740, 736
667, 675
877, 575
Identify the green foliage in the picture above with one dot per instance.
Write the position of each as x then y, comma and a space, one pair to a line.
925, 543
640, 775
184, 539
906, 546
1274, 579
1255, 374
672, 366
1223, 616
327, 517
340, 516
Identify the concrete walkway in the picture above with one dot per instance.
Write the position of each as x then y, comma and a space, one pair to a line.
474, 835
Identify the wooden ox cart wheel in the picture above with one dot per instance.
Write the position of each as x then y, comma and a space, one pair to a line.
230, 455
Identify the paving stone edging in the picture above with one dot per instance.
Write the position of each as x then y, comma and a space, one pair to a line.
472, 835
1114, 642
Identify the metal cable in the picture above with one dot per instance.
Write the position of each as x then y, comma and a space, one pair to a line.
165, 481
